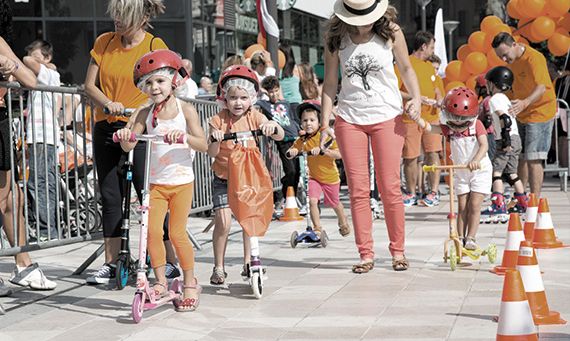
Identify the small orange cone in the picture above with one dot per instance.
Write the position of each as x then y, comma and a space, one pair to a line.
531, 212
527, 265
515, 236
544, 236
291, 211
515, 317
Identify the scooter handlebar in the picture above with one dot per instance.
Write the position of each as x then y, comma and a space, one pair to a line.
127, 112
238, 134
322, 152
135, 137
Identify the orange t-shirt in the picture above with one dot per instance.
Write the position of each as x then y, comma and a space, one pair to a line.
229, 123
116, 65
530, 70
427, 81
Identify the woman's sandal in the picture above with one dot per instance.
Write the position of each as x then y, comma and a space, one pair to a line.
363, 267
344, 229
189, 304
400, 263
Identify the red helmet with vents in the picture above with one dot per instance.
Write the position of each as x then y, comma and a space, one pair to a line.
159, 59
461, 102
236, 71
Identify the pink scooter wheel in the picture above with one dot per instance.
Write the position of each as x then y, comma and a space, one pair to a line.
137, 307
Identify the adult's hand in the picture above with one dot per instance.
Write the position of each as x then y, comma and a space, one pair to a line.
517, 106
412, 108
325, 133
115, 108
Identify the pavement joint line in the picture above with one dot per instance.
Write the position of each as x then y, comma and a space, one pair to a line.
22, 305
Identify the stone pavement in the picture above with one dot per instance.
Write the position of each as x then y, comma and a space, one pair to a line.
310, 293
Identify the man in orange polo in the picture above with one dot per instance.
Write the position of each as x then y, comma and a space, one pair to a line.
416, 138
533, 104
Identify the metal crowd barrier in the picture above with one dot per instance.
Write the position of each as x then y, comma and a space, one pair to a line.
557, 166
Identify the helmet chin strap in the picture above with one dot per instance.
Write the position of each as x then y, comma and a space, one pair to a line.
157, 108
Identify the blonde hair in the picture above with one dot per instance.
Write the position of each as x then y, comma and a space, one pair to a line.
337, 29
308, 84
232, 60
135, 13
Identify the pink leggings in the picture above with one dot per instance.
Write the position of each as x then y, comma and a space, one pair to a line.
387, 140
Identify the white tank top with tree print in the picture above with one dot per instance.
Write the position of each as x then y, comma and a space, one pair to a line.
369, 92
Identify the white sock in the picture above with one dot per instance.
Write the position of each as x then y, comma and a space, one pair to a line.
21, 268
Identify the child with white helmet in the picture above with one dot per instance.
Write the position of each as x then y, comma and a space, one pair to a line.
236, 93
161, 75
468, 142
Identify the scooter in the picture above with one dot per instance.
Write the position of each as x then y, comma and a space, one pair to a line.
453, 250
309, 236
145, 297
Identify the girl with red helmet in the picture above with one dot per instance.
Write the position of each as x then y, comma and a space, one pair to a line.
468, 142
236, 93
159, 74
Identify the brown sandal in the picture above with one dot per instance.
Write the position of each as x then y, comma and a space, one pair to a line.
363, 267
344, 229
400, 264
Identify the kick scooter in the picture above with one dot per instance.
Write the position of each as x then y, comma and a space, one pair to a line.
453, 249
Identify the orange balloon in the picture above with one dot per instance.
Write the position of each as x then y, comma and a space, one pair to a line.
453, 70
512, 9
494, 31
465, 74
532, 37
565, 22
453, 85
559, 44
475, 63
252, 49
557, 8
522, 40
493, 60
261, 40
281, 59
543, 28
463, 51
471, 82
530, 8
476, 41
490, 21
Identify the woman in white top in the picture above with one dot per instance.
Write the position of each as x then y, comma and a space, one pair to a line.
364, 41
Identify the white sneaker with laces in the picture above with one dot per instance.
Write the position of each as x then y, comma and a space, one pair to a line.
103, 275
32, 277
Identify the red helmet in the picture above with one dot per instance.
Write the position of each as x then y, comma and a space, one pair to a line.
159, 59
461, 102
236, 71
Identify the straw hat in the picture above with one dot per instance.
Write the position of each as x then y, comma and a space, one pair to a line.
360, 12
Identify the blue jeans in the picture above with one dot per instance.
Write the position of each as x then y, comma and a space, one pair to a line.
38, 194
535, 138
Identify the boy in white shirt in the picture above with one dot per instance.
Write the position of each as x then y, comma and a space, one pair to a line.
508, 147
42, 137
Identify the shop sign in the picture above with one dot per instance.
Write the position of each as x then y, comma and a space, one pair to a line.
246, 24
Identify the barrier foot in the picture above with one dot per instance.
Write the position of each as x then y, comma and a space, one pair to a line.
90, 260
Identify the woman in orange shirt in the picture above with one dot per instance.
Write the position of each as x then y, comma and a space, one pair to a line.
109, 84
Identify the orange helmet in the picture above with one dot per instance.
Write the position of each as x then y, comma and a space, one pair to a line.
159, 59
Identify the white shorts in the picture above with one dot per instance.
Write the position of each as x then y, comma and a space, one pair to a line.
479, 181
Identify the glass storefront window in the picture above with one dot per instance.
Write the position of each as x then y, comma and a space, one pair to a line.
26, 32
69, 8
33, 8
173, 34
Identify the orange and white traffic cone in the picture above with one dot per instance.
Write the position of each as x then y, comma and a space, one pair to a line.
291, 211
531, 213
515, 236
515, 317
544, 236
527, 265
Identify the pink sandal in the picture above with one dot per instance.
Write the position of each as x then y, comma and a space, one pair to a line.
189, 304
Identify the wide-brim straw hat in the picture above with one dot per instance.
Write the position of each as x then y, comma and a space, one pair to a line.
360, 12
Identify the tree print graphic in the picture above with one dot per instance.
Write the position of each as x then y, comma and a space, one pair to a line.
361, 65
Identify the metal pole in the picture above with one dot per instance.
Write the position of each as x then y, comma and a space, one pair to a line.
450, 48
424, 24
272, 42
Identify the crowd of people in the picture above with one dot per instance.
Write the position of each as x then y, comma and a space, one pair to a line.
383, 101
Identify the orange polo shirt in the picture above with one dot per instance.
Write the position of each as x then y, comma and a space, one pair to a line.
427, 80
116, 66
530, 70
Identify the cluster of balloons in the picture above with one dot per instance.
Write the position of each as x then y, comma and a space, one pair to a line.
261, 46
539, 20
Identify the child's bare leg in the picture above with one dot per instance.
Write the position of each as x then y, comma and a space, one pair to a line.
315, 216
160, 275
498, 184
189, 283
462, 214
474, 210
246, 249
339, 210
222, 219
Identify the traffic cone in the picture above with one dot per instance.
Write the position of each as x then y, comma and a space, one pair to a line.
515, 317
531, 212
527, 265
544, 236
515, 236
291, 211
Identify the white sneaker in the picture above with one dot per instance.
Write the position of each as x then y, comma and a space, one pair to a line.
103, 276
32, 277
303, 210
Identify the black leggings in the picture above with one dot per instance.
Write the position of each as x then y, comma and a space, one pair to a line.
110, 158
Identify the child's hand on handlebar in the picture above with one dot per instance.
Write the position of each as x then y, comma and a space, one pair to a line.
216, 135
115, 108
268, 128
474, 165
174, 135
292, 152
124, 135
315, 151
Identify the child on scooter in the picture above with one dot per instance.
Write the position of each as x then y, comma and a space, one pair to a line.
323, 173
236, 93
468, 142
161, 75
